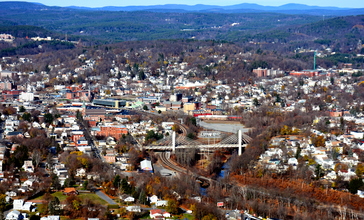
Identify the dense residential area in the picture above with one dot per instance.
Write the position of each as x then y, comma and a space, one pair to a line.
70, 134
269, 127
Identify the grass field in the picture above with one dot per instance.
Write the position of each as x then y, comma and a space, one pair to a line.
91, 196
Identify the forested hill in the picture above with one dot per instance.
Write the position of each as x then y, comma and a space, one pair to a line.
239, 8
346, 30
29, 19
146, 25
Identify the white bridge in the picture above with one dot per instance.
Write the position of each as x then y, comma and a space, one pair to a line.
172, 143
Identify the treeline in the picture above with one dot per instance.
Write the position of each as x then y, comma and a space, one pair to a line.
23, 31
29, 47
291, 197
145, 25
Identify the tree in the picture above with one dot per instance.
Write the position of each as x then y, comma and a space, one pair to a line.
20, 154
53, 206
153, 136
318, 141
359, 170
193, 121
116, 181
79, 115
22, 109
2, 203
142, 197
36, 158
176, 128
48, 118
26, 116
172, 206
355, 184
255, 102
141, 75
145, 107
9, 110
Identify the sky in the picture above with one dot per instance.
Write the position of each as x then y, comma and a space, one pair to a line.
101, 3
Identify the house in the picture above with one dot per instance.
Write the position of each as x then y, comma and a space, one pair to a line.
21, 205
161, 203
81, 172
28, 166
157, 214
11, 193
14, 215
133, 209
153, 199
360, 194
51, 217
146, 165
28, 182
70, 191
127, 198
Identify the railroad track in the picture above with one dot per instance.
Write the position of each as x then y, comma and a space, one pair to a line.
166, 162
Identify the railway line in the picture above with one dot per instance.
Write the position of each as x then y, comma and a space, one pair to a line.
166, 162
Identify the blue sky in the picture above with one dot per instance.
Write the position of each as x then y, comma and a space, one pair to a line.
100, 3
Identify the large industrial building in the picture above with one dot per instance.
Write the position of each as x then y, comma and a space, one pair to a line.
113, 103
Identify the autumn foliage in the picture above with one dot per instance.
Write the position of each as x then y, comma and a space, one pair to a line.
296, 191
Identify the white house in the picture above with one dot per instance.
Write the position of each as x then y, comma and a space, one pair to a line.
157, 214
153, 199
127, 198
51, 217
20, 205
133, 208
360, 194
161, 203
28, 166
146, 165
14, 215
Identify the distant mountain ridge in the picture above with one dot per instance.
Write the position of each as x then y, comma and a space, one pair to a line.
179, 22
202, 7
291, 8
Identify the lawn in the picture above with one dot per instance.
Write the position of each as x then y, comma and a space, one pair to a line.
60, 196
188, 216
91, 196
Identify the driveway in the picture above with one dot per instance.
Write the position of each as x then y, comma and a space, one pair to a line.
105, 197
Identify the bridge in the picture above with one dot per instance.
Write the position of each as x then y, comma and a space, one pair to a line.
171, 143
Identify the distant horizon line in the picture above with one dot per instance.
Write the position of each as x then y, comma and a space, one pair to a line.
143, 5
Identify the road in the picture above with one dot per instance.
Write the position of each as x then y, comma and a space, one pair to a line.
90, 139
105, 197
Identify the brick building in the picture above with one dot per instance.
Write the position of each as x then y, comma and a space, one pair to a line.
115, 131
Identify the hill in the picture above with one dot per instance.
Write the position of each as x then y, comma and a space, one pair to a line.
271, 30
239, 8
347, 30
113, 26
